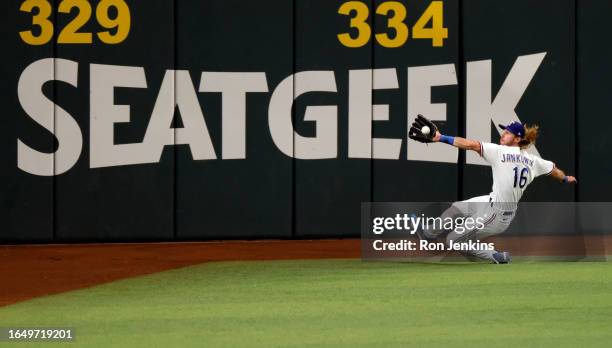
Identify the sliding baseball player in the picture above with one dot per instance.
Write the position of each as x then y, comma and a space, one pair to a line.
513, 170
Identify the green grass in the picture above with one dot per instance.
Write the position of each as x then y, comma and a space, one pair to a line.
343, 303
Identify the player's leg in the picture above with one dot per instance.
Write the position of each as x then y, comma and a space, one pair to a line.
496, 222
454, 237
465, 208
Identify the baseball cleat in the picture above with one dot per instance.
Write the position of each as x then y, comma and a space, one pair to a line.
501, 257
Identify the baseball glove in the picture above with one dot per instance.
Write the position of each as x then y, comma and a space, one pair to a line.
415, 130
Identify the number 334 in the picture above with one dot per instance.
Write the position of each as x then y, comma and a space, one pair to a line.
70, 33
437, 33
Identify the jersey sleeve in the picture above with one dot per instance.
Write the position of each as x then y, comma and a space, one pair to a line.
542, 166
489, 151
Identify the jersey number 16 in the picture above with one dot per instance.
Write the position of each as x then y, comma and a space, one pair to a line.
522, 179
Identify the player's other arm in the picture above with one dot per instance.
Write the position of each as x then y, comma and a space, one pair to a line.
559, 175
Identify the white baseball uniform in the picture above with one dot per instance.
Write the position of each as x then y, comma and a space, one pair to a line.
513, 170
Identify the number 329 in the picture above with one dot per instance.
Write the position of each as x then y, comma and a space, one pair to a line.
70, 34
434, 12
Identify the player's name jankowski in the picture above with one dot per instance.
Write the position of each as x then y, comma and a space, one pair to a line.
516, 158
423, 245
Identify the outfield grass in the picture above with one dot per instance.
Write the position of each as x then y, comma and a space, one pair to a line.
339, 303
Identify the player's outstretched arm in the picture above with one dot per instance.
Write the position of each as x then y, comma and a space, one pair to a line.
559, 175
462, 143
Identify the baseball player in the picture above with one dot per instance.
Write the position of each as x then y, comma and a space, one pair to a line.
513, 170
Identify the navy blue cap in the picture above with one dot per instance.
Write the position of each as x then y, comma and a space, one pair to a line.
515, 128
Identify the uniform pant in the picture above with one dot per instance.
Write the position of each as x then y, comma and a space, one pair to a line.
494, 219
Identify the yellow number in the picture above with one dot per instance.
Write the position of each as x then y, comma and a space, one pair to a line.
396, 22
41, 20
121, 22
70, 34
437, 33
358, 22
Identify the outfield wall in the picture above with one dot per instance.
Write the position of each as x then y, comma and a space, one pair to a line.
226, 119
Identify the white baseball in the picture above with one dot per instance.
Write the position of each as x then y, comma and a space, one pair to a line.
425, 130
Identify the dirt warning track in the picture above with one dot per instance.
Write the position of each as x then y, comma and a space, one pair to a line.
29, 271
